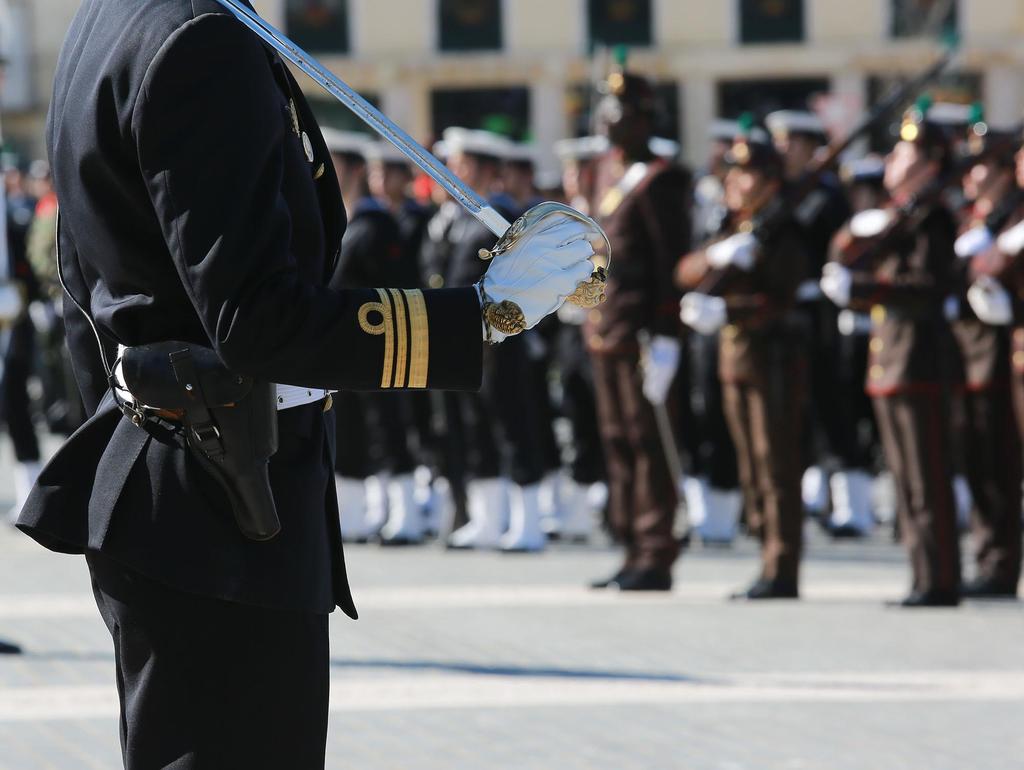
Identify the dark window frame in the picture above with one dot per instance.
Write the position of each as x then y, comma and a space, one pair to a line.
337, 40
899, 30
635, 38
455, 41
750, 32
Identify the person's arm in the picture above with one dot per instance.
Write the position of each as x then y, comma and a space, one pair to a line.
211, 127
785, 262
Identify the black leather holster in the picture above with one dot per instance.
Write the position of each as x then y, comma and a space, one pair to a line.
229, 421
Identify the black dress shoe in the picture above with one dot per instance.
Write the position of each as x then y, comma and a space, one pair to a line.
932, 598
6, 648
644, 580
769, 589
609, 582
987, 587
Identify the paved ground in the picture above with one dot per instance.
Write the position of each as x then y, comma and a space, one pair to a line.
491, 661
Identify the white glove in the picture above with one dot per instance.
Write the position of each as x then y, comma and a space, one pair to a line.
703, 313
870, 222
836, 283
11, 302
1011, 243
541, 268
990, 301
660, 362
974, 241
737, 250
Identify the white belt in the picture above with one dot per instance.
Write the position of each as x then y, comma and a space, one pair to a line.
288, 396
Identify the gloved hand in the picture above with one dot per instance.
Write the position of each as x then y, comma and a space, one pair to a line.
738, 250
836, 283
974, 241
703, 313
1011, 243
659, 365
534, 273
990, 301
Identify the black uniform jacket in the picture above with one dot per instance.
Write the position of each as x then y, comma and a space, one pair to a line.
191, 212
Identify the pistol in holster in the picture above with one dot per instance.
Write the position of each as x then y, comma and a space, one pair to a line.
229, 421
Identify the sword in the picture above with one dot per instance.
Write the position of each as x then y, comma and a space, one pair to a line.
588, 295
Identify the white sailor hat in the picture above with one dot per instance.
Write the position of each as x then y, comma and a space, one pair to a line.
385, 152
475, 142
720, 130
948, 115
667, 149
582, 148
519, 152
347, 142
870, 168
785, 122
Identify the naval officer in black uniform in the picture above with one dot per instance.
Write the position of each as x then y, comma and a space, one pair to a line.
200, 205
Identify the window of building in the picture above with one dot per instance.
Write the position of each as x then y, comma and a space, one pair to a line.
771, 21
619, 22
470, 25
912, 18
761, 97
319, 25
501, 110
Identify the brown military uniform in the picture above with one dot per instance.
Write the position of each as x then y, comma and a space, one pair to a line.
911, 364
999, 540
762, 362
988, 432
648, 227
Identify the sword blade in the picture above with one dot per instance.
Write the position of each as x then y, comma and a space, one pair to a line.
373, 117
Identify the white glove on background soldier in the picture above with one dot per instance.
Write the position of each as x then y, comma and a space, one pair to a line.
974, 241
1011, 243
737, 250
703, 313
990, 301
660, 363
541, 268
836, 283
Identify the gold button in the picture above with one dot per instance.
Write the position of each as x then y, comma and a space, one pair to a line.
729, 332
746, 227
876, 345
877, 372
435, 281
597, 341
594, 316
1018, 359
878, 314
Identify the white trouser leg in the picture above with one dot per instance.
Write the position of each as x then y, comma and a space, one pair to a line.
25, 475
351, 508
376, 504
851, 502
524, 532
487, 506
405, 520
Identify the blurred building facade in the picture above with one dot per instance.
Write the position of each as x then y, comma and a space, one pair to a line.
525, 66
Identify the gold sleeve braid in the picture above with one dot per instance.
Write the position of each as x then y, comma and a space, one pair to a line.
405, 327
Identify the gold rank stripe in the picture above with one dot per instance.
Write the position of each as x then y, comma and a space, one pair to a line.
403, 337
406, 331
420, 358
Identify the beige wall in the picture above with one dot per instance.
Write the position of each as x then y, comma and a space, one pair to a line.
394, 54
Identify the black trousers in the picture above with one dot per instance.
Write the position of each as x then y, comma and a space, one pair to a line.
205, 683
15, 411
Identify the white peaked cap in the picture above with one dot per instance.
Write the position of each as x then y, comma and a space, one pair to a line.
949, 114
663, 148
475, 142
347, 142
723, 130
583, 148
518, 152
385, 152
795, 121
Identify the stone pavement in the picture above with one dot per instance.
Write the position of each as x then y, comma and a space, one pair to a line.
493, 661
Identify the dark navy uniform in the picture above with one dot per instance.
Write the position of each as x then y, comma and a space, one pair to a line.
191, 211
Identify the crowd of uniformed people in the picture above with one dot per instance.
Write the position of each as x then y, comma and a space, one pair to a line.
780, 342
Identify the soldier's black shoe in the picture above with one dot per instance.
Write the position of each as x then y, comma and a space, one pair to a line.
644, 580
610, 582
768, 589
987, 587
6, 648
933, 598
